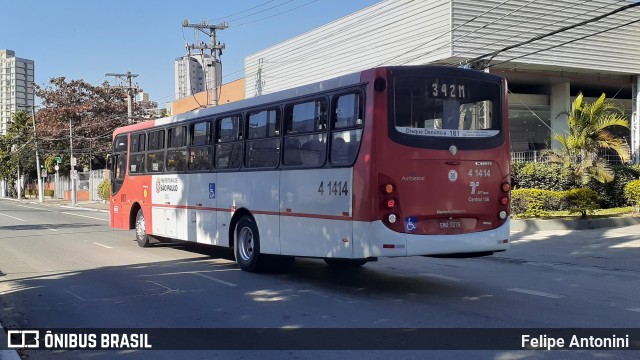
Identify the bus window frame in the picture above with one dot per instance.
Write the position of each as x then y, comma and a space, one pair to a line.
332, 130
170, 148
238, 139
156, 151
143, 152
209, 142
277, 136
324, 97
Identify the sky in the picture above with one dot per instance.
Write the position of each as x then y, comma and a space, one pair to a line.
86, 39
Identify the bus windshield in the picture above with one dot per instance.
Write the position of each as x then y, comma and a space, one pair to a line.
446, 107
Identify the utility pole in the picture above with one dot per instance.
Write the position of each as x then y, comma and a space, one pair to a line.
39, 174
131, 91
72, 173
215, 46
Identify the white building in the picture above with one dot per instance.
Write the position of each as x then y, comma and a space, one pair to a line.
544, 75
16, 90
194, 74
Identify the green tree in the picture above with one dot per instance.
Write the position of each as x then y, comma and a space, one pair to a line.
17, 149
589, 134
92, 111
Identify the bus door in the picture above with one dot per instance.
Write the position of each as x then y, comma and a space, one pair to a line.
118, 172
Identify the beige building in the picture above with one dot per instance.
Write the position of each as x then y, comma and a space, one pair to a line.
544, 76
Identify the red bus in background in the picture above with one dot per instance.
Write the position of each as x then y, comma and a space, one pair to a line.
387, 162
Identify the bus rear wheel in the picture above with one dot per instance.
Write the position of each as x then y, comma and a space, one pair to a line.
141, 230
247, 245
345, 263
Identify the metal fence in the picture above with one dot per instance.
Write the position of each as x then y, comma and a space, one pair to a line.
87, 181
537, 156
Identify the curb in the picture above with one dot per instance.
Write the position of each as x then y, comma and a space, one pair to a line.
587, 224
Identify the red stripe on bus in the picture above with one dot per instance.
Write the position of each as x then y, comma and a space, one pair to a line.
259, 212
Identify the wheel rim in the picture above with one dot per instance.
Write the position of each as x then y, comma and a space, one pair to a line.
141, 227
245, 244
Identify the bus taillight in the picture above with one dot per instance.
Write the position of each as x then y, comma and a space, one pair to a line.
506, 187
389, 206
391, 203
504, 201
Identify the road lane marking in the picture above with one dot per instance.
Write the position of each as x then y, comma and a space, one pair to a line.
61, 212
634, 309
104, 246
13, 217
84, 216
214, 279
169, 290
444, 277
536, 293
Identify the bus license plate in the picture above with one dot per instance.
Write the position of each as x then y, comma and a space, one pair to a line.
450, 224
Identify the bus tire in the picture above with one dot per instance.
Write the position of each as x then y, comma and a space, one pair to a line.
142, 238
247, 245
345, 263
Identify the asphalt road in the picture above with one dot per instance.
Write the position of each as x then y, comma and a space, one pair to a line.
62, 268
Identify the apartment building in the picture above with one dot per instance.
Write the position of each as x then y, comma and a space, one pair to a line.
16, 89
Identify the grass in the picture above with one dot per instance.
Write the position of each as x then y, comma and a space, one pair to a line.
596, 214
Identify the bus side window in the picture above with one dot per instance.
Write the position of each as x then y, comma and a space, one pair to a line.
155, 155
200, 146
305, 140
346, 129
263, 142
136, 154
228, 153
176, 149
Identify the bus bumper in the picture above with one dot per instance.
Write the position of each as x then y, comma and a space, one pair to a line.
385, 242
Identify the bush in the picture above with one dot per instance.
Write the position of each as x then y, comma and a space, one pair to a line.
536, 202
581, 201
613, 194
528, 175
632, 193
545, 176
104, 189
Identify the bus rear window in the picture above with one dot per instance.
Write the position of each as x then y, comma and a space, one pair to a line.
446, 107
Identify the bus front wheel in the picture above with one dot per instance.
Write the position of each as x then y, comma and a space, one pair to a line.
141, 230
247, 245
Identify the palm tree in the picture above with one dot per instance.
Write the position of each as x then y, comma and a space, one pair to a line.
588, 135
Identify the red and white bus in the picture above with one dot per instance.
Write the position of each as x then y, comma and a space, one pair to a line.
387, 162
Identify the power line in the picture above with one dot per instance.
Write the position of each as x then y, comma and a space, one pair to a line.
280, 13
565, 43
529, 19
493, 54
437, 37
243, 11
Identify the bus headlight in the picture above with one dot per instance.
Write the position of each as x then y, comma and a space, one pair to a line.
502, 215
392, 218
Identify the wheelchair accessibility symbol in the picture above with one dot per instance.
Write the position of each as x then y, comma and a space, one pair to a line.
410, 224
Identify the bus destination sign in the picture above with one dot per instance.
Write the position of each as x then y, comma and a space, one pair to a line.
448, 88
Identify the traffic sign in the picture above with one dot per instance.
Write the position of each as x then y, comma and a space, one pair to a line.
74, 175
58, 160
43, 173
56, 167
